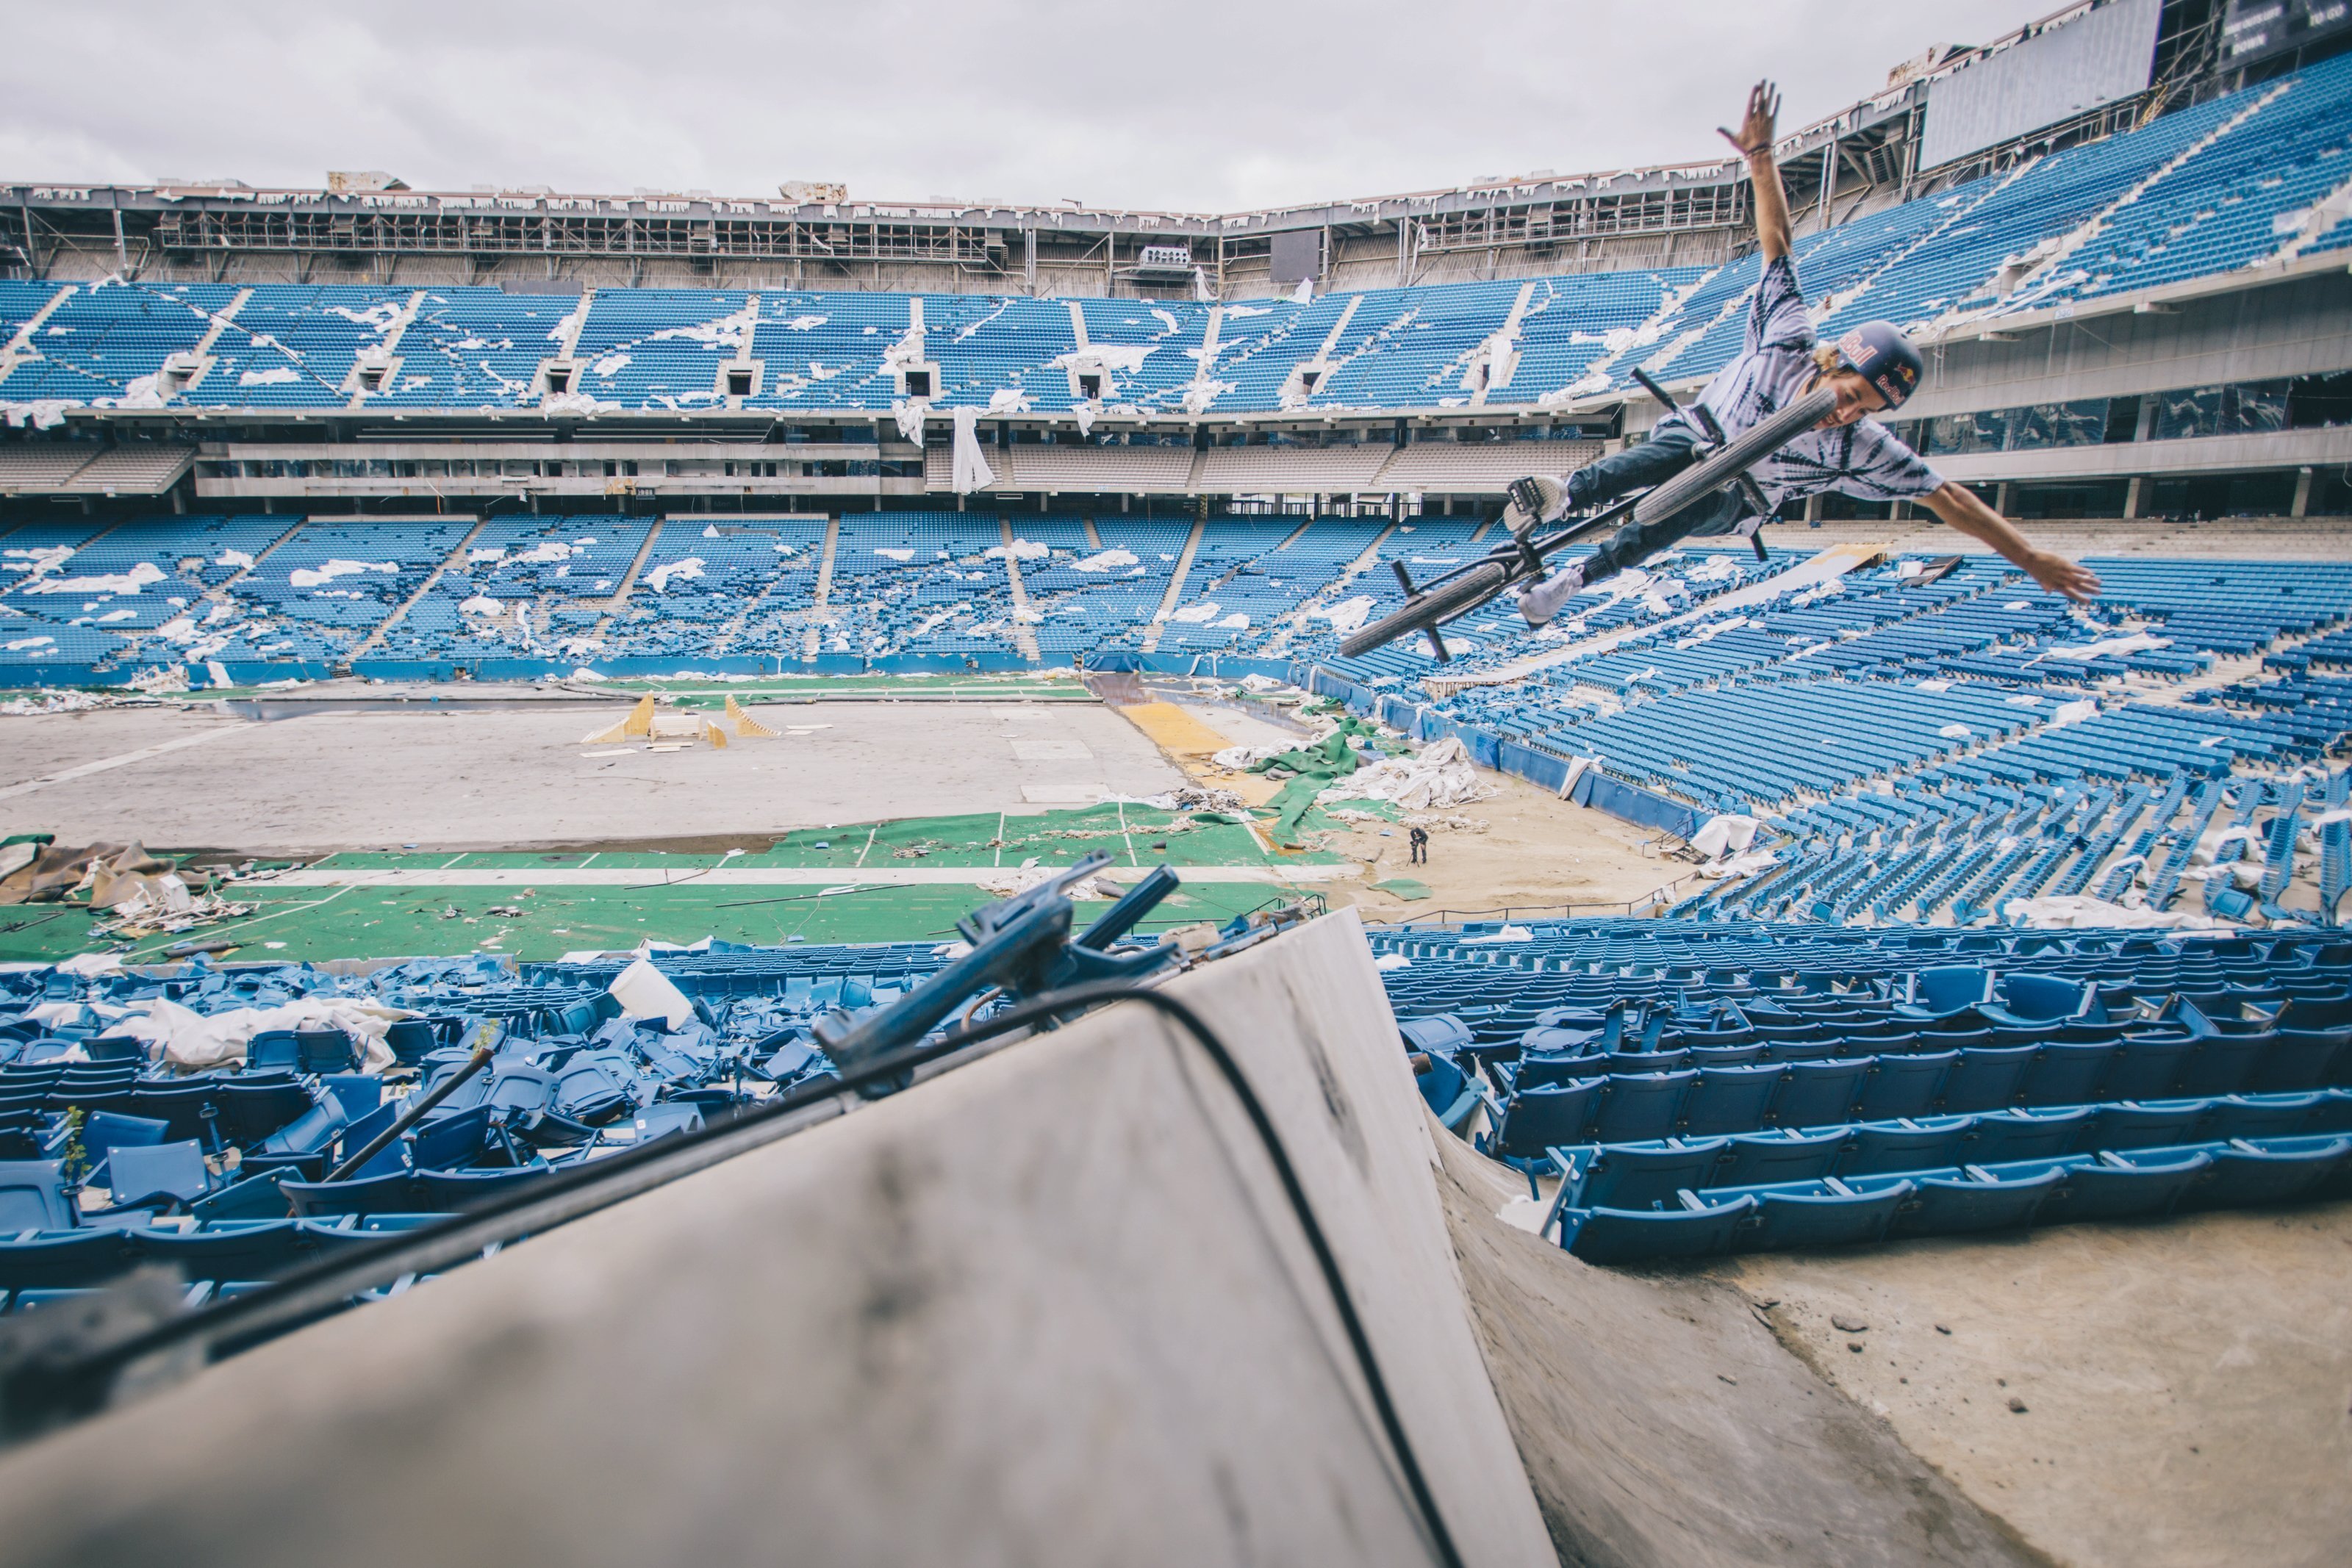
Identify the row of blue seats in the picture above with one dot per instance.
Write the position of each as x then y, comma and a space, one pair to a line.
1648, 1172
1551, 1104
1955, 1200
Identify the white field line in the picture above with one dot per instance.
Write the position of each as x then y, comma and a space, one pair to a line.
739, 876
128, 757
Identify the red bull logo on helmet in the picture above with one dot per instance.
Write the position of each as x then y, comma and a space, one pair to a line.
1883, 358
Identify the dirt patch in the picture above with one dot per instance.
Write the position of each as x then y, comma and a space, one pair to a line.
1523, 849
2174, 1393
1661, 1423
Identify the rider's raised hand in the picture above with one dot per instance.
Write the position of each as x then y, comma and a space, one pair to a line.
2058, 575
1756, 130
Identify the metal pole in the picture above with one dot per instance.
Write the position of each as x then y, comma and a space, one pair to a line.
415, 1113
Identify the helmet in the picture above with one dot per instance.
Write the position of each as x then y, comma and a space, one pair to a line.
1884, 358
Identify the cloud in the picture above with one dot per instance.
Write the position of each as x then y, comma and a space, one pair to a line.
1213, 106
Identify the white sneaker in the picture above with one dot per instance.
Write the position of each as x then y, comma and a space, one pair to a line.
1540, 601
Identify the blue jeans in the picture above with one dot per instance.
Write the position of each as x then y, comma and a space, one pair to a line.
1668, 453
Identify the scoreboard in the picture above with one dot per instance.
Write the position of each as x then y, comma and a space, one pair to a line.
2256, 29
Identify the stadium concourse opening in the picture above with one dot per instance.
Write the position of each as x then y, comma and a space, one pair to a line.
686, 873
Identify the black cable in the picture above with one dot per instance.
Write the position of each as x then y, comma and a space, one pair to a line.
1367, 1362
217, 1325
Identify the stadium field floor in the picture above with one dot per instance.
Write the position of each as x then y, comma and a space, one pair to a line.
869, 882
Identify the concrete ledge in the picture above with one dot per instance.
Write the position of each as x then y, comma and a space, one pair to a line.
1048, 1309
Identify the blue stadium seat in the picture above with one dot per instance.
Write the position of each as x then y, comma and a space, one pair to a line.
2139, 1186
1816, 1094
1836, 1216
1638, 1107
2284, 1169
1755, 1159
1728, 1099
1973, 1199
1546, 1115
1903, 1084
1621, 1236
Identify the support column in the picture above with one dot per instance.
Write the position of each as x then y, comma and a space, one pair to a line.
2000, 497
2302, 507
2133, 493
1813, 508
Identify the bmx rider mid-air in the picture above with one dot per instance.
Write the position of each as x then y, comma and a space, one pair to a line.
1871, 368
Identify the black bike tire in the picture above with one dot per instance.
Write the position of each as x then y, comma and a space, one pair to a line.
1423, 610
1752, 445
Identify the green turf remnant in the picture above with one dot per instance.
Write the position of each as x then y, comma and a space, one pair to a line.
1404, 887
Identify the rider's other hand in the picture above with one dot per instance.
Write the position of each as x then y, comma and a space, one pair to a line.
2058, 575
1756, 132
1550, 496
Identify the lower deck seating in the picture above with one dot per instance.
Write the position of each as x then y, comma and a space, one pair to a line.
1695, 1089
114, 1154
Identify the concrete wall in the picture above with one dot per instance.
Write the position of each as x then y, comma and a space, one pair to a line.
1049, 1308
2302, 327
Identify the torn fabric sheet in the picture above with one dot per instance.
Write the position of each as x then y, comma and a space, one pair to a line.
190, 1039
1441, 774
1731, 831
969, 471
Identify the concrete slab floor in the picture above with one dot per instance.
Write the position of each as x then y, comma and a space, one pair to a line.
520, 778
2175, 1393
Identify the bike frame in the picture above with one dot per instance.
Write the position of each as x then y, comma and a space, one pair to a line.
1523, 558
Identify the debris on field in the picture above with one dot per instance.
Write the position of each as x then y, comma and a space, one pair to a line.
1440, 774
136, 918
53, 702
1183, 798
140, 895
1020, 880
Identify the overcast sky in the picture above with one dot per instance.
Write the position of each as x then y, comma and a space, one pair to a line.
1209, 105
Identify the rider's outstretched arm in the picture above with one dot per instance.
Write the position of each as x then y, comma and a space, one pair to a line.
1754, 139
1959, 507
